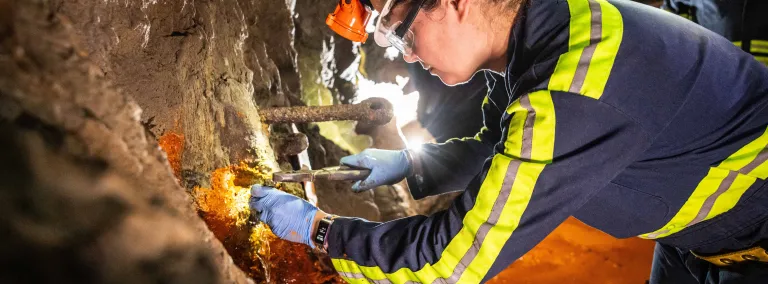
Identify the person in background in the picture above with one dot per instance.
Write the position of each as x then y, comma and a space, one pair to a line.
743, 22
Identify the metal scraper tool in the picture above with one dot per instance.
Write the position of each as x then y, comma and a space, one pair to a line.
331, 173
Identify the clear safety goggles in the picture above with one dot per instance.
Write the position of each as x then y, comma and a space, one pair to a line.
396, 32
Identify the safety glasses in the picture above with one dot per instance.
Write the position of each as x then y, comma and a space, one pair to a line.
397, 32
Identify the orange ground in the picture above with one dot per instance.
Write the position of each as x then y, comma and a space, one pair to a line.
576, 253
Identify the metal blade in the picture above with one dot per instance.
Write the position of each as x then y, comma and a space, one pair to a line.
331, 173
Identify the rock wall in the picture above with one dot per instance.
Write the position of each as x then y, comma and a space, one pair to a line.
94, 85
87, 196
194, 68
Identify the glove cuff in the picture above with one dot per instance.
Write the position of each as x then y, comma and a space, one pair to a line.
414, 163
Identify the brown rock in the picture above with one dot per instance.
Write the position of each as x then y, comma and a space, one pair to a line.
96, 187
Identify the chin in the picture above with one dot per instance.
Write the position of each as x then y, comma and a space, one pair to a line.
452, 80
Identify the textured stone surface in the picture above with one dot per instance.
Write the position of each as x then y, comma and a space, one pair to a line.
89, 188
186, 63
108, 77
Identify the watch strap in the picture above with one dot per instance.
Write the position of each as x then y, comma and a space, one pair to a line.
321, 233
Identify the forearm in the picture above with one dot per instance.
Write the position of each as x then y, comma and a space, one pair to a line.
447, 167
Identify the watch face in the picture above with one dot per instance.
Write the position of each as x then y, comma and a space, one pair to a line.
320, 236
322, 231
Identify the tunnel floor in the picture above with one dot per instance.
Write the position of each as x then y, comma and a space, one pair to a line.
576, 253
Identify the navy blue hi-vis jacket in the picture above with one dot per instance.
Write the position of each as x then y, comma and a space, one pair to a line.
634, 120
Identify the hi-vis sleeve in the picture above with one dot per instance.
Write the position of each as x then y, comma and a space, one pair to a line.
450, 166
559, 148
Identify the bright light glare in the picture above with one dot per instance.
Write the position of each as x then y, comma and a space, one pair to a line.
371, 27
414, 143
403, 106
391, 53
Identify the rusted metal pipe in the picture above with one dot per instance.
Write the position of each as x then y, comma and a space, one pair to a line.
372, 110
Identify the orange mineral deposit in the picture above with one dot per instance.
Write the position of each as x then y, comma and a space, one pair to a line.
253, 247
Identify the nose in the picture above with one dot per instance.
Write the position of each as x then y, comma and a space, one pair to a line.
411, 58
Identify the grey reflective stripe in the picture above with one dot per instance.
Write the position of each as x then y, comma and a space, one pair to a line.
595, 34
356, 276
726, 184
722, 188
761, 157
362, 276
710, 201
525, 152
501, 200
351, 275
654, 235
482, 232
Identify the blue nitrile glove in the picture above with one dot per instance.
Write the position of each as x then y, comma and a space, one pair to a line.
290, 217
387, 167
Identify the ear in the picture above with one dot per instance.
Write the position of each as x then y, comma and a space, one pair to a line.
461, 7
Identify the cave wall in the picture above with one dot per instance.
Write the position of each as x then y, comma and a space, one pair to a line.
84, 187
113, 78
186, 63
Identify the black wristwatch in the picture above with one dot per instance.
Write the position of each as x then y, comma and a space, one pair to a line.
322, 231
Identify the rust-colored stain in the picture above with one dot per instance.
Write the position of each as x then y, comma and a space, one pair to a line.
173, 145
577, 253
253, 247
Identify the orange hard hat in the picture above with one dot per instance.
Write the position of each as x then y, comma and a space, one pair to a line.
349, 19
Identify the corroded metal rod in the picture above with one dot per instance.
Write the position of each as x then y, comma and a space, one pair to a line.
332, 173
372, 110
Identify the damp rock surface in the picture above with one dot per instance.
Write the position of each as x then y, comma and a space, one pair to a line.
154, 104
88, 196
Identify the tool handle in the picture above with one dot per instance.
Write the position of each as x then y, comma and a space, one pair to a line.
344, 174
333, 173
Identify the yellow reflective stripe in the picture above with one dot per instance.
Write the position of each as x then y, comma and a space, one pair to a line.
595, 33
520, 196
755, 43
514, 143
544, 127
484, 232
477, 136
721, 188
605, 54
728, 199
758, 46
543, 117
458, 246
468, 256
760, 171
762, 59
529, 151
578, 39
746, 155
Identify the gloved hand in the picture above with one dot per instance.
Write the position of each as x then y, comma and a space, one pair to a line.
387, 167
291, 218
